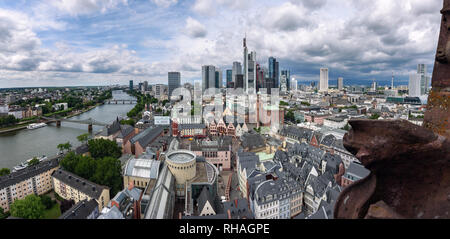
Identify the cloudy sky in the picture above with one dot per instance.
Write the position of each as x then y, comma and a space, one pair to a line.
99, 42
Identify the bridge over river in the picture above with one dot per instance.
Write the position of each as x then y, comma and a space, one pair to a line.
90, 122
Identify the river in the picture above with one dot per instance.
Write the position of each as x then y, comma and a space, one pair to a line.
19, 146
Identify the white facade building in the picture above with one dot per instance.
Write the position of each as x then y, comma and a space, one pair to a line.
414, 85
340, 83
323, 84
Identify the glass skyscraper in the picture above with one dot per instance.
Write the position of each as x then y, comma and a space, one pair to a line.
174, 81
274, 72
229, 77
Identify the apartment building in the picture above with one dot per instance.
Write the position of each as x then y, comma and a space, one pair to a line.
31, 180
72, 187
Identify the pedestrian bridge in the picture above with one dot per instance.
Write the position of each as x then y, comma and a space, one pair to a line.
90, 122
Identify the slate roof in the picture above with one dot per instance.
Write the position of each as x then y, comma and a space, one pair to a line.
339, 144
27, 173
125, 131
248, 162
319, 186
328, 140
239, 209
147, 136
357, 171
333, 162
297, 132
205, 196
81, 210
79, 183
252, 141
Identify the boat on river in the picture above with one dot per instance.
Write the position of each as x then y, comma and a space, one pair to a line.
36, 125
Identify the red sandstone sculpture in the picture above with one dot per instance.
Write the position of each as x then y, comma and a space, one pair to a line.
409, 164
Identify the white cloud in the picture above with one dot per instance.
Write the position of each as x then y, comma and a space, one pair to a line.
164, 3
194, 28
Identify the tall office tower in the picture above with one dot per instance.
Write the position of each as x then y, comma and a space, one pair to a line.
218, 79
259, 77
287, 73
294, 84
414, 85
208, 77
251, 74
374, 85
239, 81
274, 71
424, 79
245, 70
323, 84
229, 77
141, 86
283, 84
145, 85
174, 80
131, 85
237, 70
340, 83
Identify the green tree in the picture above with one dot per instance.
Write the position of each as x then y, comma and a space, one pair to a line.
85, 167
108, 173
67, 146
128, 122
83, 138
100, 148
3, 215
33, 162
375, 116
47, 201
29, 208
4, 171
290, 116
70, 162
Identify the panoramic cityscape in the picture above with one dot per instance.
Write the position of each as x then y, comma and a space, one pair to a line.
211, 110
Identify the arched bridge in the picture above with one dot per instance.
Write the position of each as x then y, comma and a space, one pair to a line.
90, 122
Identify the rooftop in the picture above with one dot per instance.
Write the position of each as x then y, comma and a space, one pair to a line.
27, 173
181, 156
81, 184
143, 168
